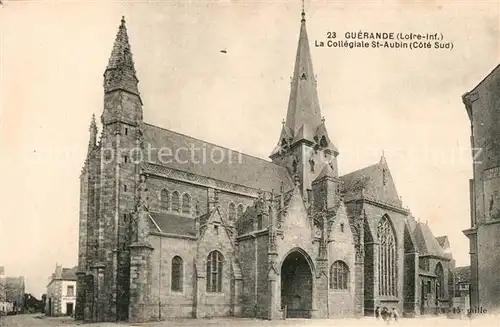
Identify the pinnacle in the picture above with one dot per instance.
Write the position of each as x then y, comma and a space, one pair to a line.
93, 125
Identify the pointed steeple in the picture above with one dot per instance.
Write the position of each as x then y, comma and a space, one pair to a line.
303, 114
120, 73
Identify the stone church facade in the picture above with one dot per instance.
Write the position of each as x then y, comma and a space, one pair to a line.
247, 237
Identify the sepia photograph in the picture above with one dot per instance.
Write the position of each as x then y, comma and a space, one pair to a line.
249, 162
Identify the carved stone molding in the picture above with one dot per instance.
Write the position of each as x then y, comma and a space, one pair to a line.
182, 176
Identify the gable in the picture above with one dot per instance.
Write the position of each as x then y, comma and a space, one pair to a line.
215, 234
212, 161
296, 226
341, 229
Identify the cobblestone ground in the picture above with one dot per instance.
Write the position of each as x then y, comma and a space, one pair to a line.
40, 320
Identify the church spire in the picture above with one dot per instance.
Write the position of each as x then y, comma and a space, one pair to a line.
304, 115
120, 73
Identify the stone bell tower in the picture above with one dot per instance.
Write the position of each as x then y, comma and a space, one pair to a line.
304, 146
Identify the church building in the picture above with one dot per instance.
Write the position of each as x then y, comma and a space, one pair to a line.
247, 237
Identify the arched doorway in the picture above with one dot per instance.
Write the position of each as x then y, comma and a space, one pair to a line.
296, 286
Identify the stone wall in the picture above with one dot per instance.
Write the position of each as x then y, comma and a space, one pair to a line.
172, 303
247, 257
341, 247
482, 104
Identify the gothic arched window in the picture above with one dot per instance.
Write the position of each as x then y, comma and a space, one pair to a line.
175, 201
186, 204
387, 258
231, 211
177, 274
339, 276
164, 200
240, 210
215, 262
439, 281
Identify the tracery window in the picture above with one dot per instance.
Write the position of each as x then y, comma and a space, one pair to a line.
164, 200
186, 204
177, 274
231, 212
439, 281
339, 276
215, 262
387, 258
175, 201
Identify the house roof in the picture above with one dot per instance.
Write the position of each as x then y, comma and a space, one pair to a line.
213, 161
462, 274
69, 273
173, 223
426, 242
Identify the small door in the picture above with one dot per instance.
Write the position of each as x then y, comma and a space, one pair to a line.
69, 309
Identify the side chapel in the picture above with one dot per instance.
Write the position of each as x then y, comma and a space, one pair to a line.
288, 237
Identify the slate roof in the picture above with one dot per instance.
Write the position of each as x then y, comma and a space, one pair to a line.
172, 223
66, 274
248, 171
427, 243
371, 180
69, 273
412, 223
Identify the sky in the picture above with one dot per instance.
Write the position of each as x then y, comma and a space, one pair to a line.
404, 102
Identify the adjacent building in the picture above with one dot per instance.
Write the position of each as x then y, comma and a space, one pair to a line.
11, 292
462, 280
482, 104
61, 292
246, 237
